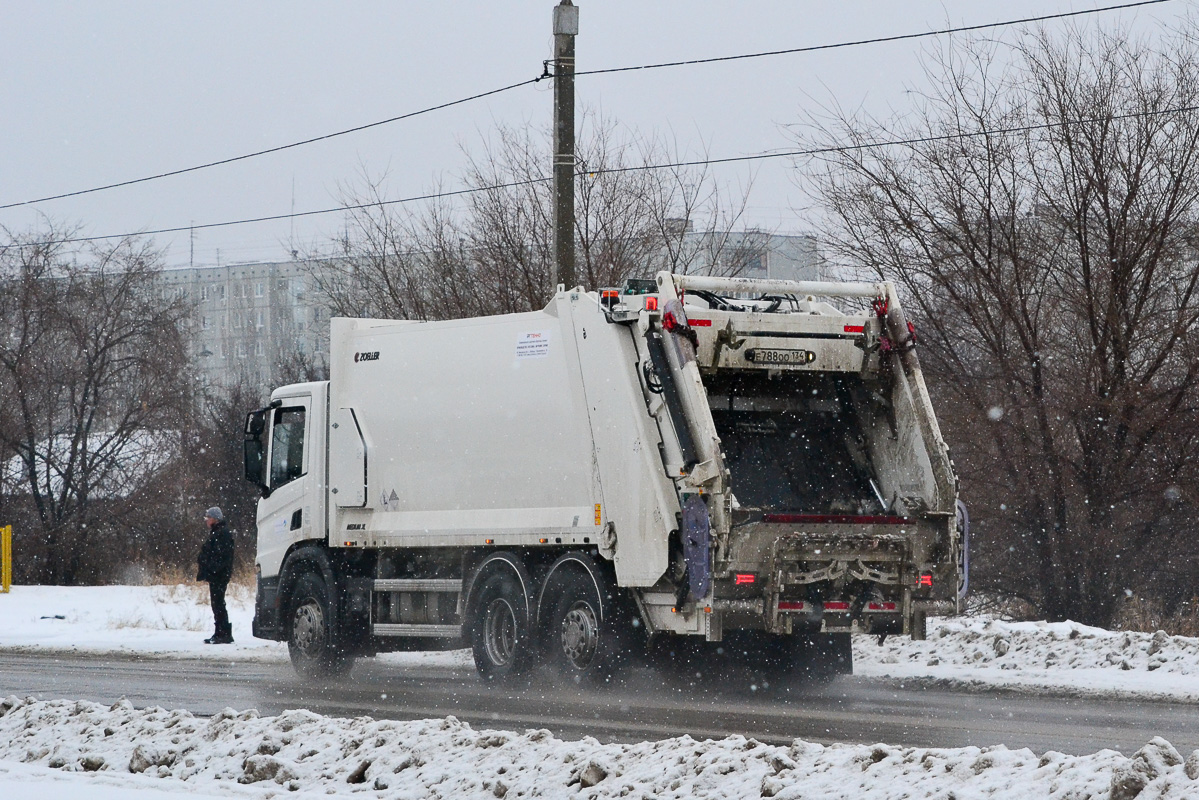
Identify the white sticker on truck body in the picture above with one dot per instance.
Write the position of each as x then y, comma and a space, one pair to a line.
533, 344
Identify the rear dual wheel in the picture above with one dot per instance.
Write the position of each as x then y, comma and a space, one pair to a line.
585, 638
579, 629
500, 632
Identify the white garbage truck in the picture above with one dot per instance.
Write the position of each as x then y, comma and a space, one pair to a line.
684, 459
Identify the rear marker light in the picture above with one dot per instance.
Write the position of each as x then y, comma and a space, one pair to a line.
743, 579
489, 541
543, 541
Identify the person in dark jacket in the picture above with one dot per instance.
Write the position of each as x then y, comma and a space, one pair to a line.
215, 564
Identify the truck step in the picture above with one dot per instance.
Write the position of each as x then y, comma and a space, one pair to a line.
424, 631
418, 585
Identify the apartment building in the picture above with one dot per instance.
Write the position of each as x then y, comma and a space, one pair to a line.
249, 319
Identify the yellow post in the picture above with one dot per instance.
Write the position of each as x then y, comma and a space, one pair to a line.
5, 558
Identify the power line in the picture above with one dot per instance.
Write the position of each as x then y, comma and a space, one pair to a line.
815, 151
764, 54
277, 149
847, 148
295, 215
879, 40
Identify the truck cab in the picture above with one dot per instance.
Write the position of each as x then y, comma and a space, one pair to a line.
285, 457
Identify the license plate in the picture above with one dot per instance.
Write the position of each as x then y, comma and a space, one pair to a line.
763, 355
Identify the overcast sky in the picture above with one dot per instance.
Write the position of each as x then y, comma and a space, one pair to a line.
94, 93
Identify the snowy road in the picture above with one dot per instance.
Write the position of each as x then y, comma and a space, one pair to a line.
858, 709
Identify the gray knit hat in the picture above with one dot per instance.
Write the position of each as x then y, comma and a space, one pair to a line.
215, 513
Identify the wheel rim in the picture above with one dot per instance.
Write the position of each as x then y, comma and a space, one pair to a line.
499, 632
580, 635
308, 628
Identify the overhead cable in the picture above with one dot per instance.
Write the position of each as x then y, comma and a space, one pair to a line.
815, 151
277, 149
879, 40
764, 54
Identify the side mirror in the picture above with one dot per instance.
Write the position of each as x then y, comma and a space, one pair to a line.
254, 449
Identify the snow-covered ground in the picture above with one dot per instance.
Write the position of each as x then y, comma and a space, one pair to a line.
52, 749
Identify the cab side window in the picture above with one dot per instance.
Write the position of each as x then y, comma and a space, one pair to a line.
287, 445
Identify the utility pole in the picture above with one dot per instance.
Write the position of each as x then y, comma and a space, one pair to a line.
566, 27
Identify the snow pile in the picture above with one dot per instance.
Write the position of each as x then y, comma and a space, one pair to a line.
1063, 645
444, 758
1066, 656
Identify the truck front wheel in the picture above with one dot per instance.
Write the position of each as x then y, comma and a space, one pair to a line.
311, 638
500, 638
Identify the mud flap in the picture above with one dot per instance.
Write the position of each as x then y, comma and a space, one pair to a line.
696, 538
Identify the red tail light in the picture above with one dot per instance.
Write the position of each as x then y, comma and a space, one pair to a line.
926, 579
651, 304
740, 579
836, 605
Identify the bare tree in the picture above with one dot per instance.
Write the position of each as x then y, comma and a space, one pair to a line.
492, 252
93, 368
1041, 215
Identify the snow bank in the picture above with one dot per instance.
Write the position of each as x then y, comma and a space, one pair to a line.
1063, 657
299, 751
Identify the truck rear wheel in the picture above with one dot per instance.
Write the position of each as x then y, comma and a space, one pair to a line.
500, 639
311, 638
583, 635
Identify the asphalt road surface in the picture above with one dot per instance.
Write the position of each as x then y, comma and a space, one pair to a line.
648, 706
